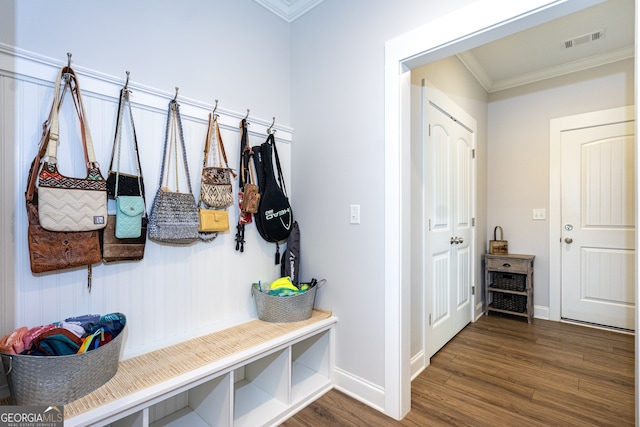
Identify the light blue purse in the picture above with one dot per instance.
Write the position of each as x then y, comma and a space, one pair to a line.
130, 210
129, 213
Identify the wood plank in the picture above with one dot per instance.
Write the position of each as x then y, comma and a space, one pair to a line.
587, 408
615, 393
500, 371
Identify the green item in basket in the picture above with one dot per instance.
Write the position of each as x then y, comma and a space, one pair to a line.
280, 292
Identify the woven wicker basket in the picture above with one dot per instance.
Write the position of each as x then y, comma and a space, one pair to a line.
58, 380
284, 309
509, 281
509, 302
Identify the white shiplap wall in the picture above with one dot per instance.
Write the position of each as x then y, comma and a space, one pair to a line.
174, 293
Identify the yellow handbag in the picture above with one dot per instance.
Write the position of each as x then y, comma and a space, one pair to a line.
213, 220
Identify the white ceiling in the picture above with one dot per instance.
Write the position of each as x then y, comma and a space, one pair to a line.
537, 53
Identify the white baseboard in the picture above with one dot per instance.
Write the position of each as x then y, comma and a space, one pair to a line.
541, 312
418, 365
370, 394
479, 310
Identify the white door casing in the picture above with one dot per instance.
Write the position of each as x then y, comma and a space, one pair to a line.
448, 188
598, 219
479, 22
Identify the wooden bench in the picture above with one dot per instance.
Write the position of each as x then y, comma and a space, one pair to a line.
256, 373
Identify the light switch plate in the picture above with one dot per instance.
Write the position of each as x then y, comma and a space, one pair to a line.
354, 214
539, 214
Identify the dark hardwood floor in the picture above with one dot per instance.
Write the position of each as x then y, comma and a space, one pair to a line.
502, 371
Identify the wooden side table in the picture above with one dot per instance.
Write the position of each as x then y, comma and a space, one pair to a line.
509, 284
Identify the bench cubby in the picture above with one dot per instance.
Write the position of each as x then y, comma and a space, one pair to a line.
253, 374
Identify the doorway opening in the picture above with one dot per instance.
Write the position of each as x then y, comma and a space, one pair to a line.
479, 23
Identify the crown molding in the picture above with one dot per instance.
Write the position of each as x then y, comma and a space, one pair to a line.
289, 10
474, 66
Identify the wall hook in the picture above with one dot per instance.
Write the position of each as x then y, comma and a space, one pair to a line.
214, 109
269, 131
126, 83
247, 116
66, 75
176, 97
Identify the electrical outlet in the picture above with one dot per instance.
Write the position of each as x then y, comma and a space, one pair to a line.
354, 214
539, 214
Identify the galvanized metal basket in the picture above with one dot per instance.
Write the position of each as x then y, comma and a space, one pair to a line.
284, 309
58, 380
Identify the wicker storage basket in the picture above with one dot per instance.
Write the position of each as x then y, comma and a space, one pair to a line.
509, 281
509, 302
284, 309
58, 380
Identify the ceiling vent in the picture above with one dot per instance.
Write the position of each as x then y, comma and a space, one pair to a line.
586, 38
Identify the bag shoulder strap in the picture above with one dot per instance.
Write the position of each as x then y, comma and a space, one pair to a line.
125, 102
207, 141
213, 131
87, 142
173, 132
49, 133
246, 173
221, 151
272, 141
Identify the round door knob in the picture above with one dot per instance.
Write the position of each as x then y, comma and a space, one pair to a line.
460, 240
568, 240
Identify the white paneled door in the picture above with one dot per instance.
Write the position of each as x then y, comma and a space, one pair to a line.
448, 187
598, 220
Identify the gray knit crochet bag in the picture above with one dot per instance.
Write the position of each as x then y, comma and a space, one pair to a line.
174, 215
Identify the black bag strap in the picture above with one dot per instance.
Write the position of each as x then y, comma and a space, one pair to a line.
245, 153
125, 102
272, 141
258, 161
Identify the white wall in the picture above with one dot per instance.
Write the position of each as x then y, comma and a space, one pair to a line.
231, 50
337, 105
518, 159
234, 51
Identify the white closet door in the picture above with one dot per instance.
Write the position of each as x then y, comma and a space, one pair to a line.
448, 187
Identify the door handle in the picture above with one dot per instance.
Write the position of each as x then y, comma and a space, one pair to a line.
460, 240
457, 240
568, 240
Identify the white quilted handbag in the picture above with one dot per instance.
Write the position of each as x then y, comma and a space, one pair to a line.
65, 203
